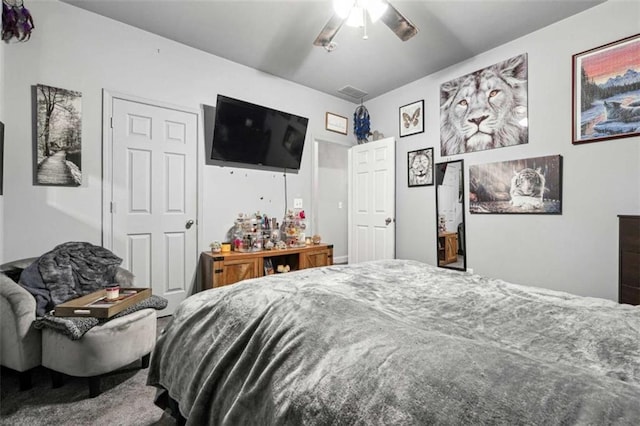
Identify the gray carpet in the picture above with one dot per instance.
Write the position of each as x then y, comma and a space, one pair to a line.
125, 399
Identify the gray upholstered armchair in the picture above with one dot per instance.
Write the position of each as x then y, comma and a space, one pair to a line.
20, 342
104, 348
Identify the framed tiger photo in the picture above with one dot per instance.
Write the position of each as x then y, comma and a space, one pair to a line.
527, 186
412, 118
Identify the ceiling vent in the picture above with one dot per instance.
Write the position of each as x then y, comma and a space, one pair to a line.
353, 92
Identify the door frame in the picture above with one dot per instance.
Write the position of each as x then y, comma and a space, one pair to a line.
108, 97
315, 182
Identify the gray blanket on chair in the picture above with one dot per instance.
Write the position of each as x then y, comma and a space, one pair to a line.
67, 272
76, 327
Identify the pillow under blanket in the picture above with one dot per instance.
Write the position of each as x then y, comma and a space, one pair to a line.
70, 270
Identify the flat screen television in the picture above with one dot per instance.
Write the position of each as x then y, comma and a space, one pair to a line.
252, 134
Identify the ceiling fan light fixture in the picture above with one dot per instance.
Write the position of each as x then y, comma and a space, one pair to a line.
354, 10
343, 7
376, 9
356, 17
353, 13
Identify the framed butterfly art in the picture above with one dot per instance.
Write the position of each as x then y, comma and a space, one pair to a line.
412, 118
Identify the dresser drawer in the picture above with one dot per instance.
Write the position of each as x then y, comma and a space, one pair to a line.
629, 259
630, 269
629, 295
630, 235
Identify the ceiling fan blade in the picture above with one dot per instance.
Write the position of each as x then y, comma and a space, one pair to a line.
329, 31
400, 25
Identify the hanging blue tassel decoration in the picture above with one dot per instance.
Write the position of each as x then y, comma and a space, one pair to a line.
361, 124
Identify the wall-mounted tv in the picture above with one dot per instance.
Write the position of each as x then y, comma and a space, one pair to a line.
252, 134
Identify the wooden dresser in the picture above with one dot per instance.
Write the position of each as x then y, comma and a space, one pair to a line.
447, 247
629, 260
219, 269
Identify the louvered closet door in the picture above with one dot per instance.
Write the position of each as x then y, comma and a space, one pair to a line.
154, 196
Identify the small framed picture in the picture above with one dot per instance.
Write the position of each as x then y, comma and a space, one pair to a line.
412, 119
420, 167
606, 99
336, 123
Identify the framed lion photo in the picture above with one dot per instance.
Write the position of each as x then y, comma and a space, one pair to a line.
485, 109
606, 92
420, 167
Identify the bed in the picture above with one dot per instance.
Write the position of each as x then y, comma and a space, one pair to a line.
397, 342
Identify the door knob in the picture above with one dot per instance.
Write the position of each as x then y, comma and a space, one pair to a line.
388, 221
188, 224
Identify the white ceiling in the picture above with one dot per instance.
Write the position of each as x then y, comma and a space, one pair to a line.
276, 36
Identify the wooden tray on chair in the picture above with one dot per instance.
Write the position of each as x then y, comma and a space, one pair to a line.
96, 304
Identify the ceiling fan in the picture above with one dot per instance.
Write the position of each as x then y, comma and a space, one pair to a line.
353, 13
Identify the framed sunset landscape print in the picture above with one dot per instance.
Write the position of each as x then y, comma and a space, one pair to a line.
606, 92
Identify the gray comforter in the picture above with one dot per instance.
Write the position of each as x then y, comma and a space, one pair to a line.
396, 343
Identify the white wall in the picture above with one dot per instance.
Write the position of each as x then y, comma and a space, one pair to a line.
333, 174
574, 252
78, 50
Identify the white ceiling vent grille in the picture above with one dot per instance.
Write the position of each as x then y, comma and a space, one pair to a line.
353, 92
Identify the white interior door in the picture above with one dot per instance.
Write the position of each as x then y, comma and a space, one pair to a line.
372, 201
154, 190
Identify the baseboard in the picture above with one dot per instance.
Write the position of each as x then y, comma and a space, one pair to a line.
338, 260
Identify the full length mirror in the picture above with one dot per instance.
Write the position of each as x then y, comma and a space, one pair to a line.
450, 215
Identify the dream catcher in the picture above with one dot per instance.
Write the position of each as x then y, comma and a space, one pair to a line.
361, 124
16, 21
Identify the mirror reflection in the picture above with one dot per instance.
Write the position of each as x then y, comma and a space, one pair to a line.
450, 215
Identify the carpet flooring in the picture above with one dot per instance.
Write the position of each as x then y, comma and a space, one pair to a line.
125, 400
